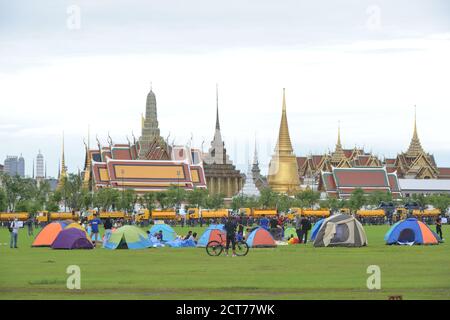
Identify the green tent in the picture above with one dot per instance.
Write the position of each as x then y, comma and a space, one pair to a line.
290, 232
128, 237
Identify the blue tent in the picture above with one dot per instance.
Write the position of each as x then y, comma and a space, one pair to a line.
315, 229
167, 231
411, 231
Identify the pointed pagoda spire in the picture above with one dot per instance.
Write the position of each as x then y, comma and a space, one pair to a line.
415, 147
217, 108
255, 155
338, 155
284, 145
283, 168
63, 169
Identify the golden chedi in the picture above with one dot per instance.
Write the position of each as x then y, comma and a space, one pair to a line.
283, 170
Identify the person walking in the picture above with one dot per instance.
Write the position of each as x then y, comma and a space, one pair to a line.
439, 227
14, 230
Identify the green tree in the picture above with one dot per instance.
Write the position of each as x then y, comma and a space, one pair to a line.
215, 201
107, 198
148, 201
332, 203
128, 200
3, 200
308, 198
197, 197
357, 200
376, 197
440, 201
175, 195
268, 198
284, 202
162, 199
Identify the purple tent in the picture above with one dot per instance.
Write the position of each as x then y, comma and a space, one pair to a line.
72, 238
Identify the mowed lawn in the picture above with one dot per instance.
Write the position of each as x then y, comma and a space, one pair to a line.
286, 272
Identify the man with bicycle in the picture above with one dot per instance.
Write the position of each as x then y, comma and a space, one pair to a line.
230, 228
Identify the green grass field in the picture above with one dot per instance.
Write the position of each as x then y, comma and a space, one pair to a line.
286, 272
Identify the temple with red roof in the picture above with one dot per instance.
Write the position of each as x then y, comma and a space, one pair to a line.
341, 182
149, 164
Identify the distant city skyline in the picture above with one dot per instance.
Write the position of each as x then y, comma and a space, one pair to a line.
65, 67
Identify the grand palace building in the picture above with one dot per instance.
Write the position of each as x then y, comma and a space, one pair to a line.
150, 163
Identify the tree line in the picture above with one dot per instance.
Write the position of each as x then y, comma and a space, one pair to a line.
24, 194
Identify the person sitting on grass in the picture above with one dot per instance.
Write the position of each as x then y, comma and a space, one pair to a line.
159, 235
189, 234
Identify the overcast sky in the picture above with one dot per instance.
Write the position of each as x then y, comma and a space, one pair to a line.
65, 65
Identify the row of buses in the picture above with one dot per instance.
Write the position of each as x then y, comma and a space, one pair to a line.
194, 213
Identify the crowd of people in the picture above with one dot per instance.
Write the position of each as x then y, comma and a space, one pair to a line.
242, 226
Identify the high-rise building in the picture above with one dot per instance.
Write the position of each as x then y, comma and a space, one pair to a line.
15, 166
40, 166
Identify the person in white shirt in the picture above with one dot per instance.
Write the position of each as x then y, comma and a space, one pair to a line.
14, 229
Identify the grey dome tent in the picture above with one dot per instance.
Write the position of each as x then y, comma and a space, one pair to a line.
341, 230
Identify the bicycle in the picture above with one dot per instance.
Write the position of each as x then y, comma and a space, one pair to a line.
215, 248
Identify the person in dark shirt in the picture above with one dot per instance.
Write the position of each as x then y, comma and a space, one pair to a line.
230, 228
189, 234
305, 227
439, 227
273, 223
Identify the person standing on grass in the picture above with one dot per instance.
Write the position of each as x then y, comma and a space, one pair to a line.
94, 228
108, 227
14, 230
30, 226
230, 228
439, 227
305, 227
298, 228
264, 222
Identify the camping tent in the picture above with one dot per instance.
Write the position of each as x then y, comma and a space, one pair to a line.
213, 232
411, 231
315, 229
48, 234
167, 231
128, 237
340, 230
260, 238
289, 233
72, 238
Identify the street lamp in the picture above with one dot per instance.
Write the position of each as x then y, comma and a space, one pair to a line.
123, 190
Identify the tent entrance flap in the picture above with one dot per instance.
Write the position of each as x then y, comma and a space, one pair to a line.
407, 235
122, 243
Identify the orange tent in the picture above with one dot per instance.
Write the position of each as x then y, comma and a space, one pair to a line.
48, 234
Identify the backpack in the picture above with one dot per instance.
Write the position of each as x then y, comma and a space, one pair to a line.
10, 227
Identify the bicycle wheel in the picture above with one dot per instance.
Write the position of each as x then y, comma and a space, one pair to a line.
214, 248
241, 248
